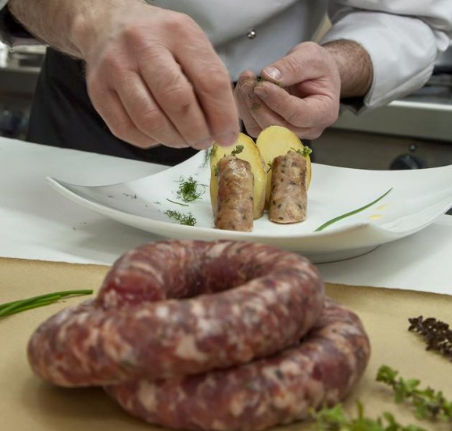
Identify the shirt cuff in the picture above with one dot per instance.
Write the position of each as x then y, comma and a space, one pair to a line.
403, 52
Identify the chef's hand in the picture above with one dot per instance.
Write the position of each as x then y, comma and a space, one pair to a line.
154, 77
302, 90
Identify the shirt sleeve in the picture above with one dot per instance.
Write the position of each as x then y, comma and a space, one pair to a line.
403, 38
12, 33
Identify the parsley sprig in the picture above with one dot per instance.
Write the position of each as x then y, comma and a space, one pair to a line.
427, 403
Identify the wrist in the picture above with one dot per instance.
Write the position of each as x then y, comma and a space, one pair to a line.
354, 65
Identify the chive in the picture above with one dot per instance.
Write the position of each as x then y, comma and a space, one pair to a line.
334, 220
13, 307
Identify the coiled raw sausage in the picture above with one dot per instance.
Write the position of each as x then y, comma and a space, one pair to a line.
253, 301
227, 336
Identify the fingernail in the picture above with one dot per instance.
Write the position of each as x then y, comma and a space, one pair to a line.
261, 91
248, 90
273, 73
227, 139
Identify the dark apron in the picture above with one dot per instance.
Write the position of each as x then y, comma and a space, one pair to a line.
63, 116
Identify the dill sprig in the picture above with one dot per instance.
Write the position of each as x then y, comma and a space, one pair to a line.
190, 189
436, 334
428, 403
184, 219
14, 307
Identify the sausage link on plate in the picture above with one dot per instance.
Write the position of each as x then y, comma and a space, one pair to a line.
288, 196
235, 195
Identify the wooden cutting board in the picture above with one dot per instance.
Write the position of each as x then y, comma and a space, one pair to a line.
26, 403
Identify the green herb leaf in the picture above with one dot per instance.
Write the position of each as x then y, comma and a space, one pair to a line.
14, 307
184, 219
427, 403
190, 189
237, 150
336, 219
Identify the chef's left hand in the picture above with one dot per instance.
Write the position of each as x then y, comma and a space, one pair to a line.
301, 91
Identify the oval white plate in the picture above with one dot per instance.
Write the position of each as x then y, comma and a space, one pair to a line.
417, 198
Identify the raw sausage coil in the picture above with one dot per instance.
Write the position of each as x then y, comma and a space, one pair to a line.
235, 302
227, 336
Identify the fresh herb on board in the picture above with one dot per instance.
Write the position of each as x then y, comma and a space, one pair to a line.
184, 219
190, 189
14, 307
437, 335
428, 403
336, 219
335, 419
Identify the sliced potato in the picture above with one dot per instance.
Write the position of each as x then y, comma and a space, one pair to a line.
276, 141
244, 148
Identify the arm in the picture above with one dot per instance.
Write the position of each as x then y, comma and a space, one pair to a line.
374, 53
148, 86
402, 38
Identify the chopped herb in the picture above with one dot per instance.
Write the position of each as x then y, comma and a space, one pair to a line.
437, 335
238, 149
190, 189
215, 170
157, 203
130, 196
184, 219
336, 219
37, 301
270, 166
305, 152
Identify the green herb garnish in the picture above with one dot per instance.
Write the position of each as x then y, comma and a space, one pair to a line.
428, 403
335, 419
190, 189
14, 307
237, 150
336, 219
177, 203
305, 152
184, 219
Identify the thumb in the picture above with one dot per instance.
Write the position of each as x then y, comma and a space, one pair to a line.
299, 65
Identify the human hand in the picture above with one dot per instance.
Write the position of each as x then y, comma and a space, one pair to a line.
301, 91
154, 77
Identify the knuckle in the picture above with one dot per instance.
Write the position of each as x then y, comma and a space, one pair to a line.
122, 129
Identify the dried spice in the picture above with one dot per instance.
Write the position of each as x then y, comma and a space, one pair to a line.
436, 334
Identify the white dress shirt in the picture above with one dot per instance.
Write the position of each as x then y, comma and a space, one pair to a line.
403, 37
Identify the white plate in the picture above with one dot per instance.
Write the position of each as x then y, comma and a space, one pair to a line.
417, 198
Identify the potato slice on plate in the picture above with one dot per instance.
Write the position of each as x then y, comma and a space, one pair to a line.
276, 141
244, 148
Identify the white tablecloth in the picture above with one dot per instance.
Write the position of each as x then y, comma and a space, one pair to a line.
39, 224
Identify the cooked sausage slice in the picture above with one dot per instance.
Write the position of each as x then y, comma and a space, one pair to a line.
235, 195
288, 196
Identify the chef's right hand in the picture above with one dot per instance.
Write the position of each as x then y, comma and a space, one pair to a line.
154, 77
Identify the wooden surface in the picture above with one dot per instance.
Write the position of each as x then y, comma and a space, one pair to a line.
26, 403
